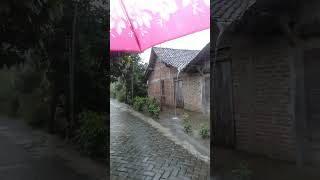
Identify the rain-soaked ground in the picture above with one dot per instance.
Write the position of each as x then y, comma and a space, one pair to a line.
139, 151
261, 167
176, 127
28, 154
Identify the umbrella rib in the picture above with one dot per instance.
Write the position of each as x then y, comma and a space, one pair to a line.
134, 32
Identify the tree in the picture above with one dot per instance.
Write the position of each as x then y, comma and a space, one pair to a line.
24, 26
42, 29
127, 68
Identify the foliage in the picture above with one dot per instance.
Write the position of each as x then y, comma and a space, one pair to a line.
8, 99
153, 108
139, 103
127, 69
25, 25
186, 123
204, 131
38, 35
121, 93
33, 109
187, 128
92, 57
7, 82
186, 118
113, 92
92, 133
243, 172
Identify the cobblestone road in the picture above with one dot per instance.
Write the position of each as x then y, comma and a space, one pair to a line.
138, 151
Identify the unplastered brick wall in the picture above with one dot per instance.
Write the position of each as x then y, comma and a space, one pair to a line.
192, 84
165, 73
261, 94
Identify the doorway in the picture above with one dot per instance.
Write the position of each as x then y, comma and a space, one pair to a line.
178, 94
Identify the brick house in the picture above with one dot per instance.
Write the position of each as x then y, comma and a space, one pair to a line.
191, 89
267, 89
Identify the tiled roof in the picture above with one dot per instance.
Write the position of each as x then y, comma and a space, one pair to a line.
177, 58
202, 57
229, 10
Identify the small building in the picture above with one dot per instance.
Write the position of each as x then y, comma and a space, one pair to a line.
180, 77
267, 97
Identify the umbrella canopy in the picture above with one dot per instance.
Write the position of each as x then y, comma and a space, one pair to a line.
136, 25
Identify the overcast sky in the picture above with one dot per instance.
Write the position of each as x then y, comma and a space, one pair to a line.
195, 41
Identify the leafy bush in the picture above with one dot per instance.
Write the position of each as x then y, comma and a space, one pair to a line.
33, 109
153, 108
243, 172
187, 128
8, 93
119, 91
92, 133
113, 92
121, 95
138, 103
186, 118
14, 107
204, 131
28, 79
186, 123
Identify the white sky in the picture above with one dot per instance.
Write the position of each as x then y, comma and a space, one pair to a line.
195, 41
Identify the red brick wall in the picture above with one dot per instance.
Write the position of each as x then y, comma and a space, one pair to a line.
165, 73
261, 93
192, 86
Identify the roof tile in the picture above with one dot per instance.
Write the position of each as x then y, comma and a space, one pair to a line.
229, 10
177, 58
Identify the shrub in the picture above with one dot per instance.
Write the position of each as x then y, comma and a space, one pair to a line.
138, 103
14, 107
186, 123
113, 91
34, 110
119, 91
186, 118
121, 95
8, 97
204, 131
187, 128
153, 108
92, 133
243, 172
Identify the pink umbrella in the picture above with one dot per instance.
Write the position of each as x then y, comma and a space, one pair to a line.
136, 25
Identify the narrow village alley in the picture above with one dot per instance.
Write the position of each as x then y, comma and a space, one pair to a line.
139, 151
29, 154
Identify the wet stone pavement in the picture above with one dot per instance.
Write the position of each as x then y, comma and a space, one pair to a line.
29, 154
138, 151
